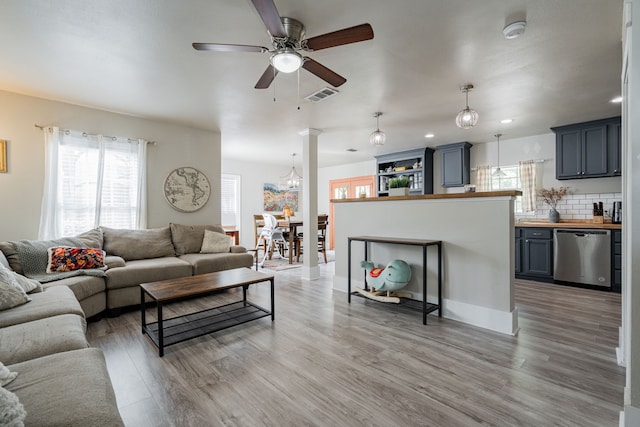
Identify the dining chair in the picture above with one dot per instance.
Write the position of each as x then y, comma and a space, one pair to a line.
323, 221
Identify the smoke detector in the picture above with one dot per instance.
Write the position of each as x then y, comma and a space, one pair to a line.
514, 30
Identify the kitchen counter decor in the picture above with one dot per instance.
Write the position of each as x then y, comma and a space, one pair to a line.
551, 197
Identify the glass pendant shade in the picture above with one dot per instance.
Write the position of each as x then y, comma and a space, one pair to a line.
468, 117
377, 137
292, 180
286, 60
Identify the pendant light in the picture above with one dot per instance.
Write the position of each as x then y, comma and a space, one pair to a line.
468, 117
377, 137
292, 180
498, 172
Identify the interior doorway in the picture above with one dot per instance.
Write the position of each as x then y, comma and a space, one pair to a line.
349, 188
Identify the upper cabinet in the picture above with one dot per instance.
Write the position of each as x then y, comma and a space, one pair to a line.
455, 164
588, 150
416, 164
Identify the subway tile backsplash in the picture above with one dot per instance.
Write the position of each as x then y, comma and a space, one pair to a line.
575, 206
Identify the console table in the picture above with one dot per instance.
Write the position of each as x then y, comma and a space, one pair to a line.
426, 307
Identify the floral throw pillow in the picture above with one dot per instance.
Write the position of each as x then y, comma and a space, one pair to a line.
64, 258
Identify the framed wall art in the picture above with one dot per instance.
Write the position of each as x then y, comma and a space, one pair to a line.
3, 156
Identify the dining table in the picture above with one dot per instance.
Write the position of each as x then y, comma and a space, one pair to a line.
292, 228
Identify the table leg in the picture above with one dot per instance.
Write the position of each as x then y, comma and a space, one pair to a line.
273, 310
143, 307
439, 279
349, 272
424, 285
244, 294
160, 331
292, 231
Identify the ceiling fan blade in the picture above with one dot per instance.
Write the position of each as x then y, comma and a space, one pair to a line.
314, 67
355, 34
267, 77
220, 47
270, 16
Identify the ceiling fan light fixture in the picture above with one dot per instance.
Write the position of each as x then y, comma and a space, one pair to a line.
286, 60
467, 117
378, 137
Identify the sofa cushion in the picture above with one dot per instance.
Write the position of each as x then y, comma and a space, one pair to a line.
90, 239
146, 270
82, 286
187, 239
67, 389
52, 302
210, 263
215, 243
65, 258
112, 261
42, 337
138, 244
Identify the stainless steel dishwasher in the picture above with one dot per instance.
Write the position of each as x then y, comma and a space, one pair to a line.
582, 256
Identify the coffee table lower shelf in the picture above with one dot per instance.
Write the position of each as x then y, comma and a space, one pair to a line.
192, 325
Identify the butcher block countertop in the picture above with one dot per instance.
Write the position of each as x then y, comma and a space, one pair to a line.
569, 223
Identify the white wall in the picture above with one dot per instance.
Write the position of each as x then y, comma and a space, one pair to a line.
21, 187
339, 172
538, 147
253, 176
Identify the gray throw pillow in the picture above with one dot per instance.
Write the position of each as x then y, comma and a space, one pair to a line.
187, 239
11, 294
138, 244
12, 413
215, 243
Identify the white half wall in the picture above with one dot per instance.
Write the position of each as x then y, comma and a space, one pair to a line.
478, 251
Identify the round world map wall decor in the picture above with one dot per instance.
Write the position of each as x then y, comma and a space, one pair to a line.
187, 189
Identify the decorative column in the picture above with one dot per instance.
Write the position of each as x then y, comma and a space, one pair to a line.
310, 269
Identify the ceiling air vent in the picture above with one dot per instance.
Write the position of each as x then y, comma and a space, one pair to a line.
321, 95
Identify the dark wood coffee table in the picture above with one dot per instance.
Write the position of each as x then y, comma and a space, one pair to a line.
166, 332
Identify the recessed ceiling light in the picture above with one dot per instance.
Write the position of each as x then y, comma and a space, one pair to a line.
616, 100
505, 121
429, 135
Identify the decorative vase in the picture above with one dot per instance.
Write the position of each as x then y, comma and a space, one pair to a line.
554, 216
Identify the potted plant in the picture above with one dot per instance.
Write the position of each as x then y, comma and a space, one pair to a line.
551, 197
399, 186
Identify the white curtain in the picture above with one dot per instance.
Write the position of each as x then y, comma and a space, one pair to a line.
92, 180
483, 178
49, 225
528, 184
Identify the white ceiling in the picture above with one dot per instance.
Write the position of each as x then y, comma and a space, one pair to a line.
135, 57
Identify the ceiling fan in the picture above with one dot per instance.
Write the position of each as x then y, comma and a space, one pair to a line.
287, 39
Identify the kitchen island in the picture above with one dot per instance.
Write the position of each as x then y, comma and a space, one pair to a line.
477, 234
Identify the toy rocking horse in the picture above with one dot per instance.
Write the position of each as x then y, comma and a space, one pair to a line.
384, 283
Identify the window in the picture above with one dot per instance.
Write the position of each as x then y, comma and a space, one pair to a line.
230, 200
92, 180
511, 181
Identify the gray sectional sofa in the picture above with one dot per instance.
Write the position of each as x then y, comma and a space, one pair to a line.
44, 339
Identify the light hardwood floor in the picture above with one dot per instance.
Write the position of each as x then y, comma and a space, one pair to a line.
324, 362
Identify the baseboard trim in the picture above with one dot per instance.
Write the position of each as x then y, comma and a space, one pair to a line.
488, 318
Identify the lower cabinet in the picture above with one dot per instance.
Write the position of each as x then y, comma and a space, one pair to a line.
534, 253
